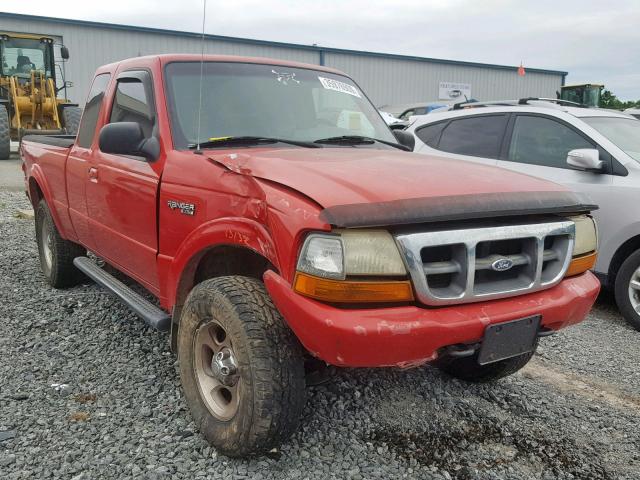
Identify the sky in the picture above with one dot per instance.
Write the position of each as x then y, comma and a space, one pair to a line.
595, 41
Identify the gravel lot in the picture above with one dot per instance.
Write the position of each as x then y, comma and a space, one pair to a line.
87, 392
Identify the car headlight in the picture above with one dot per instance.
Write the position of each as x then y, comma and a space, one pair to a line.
585, 246
352, 266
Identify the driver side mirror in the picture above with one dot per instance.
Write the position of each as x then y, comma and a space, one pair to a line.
405, 138
127, 138
585, 159
64, 53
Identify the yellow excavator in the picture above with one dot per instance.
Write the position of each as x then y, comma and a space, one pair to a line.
29, 100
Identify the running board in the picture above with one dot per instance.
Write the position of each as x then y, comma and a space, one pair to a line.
152, 315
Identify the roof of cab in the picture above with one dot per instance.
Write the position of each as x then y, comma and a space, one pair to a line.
178, 57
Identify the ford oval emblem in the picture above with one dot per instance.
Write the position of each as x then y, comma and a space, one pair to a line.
502, 265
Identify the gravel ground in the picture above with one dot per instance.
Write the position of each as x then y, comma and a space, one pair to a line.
88, 392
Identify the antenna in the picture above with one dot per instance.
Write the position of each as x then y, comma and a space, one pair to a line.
204, 17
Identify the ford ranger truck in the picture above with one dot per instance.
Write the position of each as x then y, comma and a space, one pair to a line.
279, 223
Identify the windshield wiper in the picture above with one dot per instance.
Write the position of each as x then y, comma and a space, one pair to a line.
358, 140
250, 140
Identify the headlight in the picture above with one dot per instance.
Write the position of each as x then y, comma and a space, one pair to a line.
351, 253
323, 256
331, 267
585, 247
586, 236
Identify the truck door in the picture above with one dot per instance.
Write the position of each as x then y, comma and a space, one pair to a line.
79, 160
122, 190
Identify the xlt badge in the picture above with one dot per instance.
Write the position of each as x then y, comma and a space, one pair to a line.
184, 207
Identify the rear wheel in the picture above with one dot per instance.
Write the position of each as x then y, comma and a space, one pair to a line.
627, 289
56, 253
71, 119
468, 368
5, 133
241, 367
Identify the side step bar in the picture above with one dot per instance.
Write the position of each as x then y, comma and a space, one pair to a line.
152, 315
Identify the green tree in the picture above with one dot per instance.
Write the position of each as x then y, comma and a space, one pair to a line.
609, 100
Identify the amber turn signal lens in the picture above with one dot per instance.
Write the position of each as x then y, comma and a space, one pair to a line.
350, 291
581, 264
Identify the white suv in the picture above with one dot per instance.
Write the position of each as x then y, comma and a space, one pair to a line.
593, 151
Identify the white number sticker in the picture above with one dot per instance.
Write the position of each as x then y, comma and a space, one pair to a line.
331, 84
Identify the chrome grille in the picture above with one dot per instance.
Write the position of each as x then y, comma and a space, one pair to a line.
459, 266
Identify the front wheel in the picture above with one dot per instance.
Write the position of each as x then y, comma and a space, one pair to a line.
627, 289
242, 369
468, 368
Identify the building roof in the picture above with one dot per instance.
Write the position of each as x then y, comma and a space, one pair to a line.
250, 41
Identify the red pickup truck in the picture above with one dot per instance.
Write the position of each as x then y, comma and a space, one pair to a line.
279, 222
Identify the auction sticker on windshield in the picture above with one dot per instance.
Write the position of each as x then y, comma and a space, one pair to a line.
338, 86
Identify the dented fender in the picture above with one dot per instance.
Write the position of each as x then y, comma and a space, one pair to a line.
239, 232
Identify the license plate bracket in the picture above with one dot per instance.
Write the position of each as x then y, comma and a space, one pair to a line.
509, 339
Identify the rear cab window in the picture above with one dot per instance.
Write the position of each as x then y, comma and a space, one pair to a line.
87, 128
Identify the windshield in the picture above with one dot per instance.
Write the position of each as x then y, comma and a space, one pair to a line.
241, 99
622, 132
21, 55
592, 96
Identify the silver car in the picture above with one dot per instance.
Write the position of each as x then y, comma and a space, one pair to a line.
594, 151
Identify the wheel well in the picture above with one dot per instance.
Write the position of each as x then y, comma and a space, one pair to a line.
35, 192
626, 249
216, 262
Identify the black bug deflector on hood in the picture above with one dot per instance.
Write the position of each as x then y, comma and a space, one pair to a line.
456, 207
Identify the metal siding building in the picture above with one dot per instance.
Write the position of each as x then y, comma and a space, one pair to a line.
386, 78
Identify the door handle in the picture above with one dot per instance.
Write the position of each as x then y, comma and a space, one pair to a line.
93, 175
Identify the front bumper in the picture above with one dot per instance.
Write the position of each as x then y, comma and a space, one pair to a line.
409, 335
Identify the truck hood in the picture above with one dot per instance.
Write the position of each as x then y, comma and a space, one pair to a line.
379, 180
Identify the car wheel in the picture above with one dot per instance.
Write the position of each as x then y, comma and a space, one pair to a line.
242, 368
627, 289
468, 368
56, 254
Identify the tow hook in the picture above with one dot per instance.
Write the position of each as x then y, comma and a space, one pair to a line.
461, 350
546, 332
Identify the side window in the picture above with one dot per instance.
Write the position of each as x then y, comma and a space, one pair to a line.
89, 120
543, 141
134, 103
478, 136
431, 133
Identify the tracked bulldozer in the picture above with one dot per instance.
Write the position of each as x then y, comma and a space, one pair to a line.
29, 88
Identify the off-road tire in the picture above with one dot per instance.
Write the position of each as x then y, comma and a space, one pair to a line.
60, 271
623, 278
5, 133
270, 364
71, 119
469, 370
